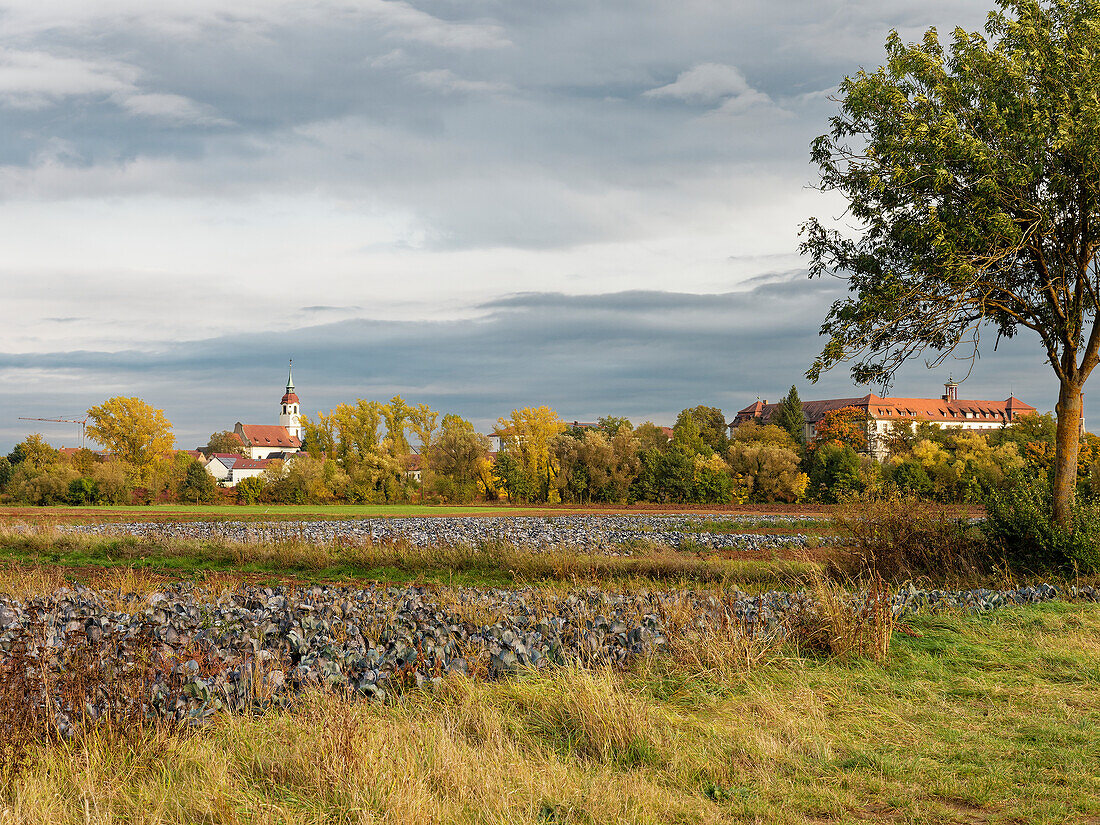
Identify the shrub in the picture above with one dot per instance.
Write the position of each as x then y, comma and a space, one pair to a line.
1019, 525
900, 537
249, 490
83, 490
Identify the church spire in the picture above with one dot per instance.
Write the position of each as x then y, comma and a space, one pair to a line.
290, 407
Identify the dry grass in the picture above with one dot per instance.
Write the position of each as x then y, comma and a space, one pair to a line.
844, 621
902, 537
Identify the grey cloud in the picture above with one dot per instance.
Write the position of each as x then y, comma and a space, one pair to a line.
543, 106
639, 354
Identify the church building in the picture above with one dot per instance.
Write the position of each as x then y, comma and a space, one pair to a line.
275, 440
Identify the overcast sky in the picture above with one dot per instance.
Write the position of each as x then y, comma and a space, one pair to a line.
592, 204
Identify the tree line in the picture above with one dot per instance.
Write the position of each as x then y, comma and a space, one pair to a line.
388, 452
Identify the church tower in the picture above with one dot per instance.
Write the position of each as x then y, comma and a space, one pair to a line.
290, 409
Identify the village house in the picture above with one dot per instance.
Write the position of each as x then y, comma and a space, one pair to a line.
948, 411
229, 468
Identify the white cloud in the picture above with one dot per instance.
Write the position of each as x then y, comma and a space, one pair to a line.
339, 170
445, 80
710, 83
35, 79
199, 18
170, 108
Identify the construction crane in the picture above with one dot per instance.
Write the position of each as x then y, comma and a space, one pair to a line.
72, 419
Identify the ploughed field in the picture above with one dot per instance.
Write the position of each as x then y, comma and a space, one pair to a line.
609, 534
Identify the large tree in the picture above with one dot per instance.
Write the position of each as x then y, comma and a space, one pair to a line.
527, 436
972, 176
458, 451
710, 423
136, 432
224, 442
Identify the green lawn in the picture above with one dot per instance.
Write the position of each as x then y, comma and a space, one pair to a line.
277, 511
295, 512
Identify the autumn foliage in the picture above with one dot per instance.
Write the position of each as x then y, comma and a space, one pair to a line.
846, 427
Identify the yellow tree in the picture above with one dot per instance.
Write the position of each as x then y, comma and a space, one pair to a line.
137, 433
527, 436
424, 422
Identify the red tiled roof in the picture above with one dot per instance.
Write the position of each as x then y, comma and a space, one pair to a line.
290, 398
269, 435
232, 461
931, 409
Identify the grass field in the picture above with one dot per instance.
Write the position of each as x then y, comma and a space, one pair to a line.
249, 512
976, 720
492, 564
296, 512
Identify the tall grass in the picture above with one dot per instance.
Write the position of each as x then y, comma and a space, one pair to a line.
900, 537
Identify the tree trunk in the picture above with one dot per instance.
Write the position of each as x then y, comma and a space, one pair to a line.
1067, 443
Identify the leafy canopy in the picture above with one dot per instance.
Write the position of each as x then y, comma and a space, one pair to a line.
973, 177
136, 432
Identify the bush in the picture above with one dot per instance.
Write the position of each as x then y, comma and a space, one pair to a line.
83, 490
899, 537
1019, 525
249, 490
